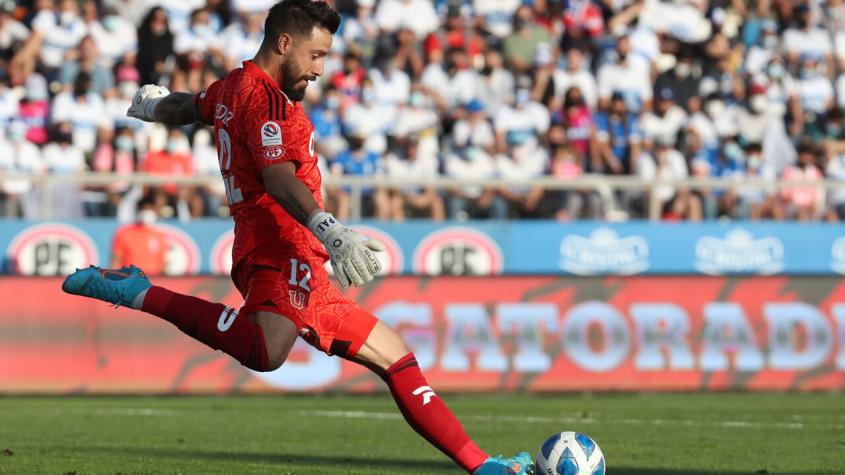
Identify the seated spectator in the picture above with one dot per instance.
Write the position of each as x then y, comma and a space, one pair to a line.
156, 46
210, 199
576, 74
350, 79
370, 117
198, 49
418, 201
241, 39
470, 157
569, 204
62, 157
34, 109
87, 61
807, 40
114, 37
417, 16
18, 156
667, 120
618, 139
84, 109
804, 202
357, 161
173, 161
622, 75
141, 243
57, 31
578, 122
683, 80
669, 164
521, 44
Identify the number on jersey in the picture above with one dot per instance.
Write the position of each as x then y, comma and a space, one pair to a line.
224, 151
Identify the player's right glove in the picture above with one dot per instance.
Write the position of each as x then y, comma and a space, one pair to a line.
351, 254
145, 101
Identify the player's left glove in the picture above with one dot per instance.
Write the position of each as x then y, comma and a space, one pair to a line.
145, 101
351, 254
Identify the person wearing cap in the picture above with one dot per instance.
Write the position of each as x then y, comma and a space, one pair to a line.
668, 118
618, 138
470, 156
806, 39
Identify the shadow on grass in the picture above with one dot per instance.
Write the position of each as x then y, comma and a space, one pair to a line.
362, 462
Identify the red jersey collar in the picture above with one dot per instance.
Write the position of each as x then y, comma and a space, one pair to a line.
253, 70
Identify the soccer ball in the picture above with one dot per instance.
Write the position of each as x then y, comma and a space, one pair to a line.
570, 453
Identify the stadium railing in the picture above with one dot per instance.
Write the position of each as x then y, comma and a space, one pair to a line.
606, 186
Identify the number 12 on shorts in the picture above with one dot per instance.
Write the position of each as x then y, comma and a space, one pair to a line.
295, 269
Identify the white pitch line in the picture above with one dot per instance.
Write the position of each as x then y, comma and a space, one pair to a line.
574, 420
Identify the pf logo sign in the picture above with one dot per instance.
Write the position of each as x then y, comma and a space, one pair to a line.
458, 251
51, 249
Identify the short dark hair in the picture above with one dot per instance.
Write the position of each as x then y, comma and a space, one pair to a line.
298, 18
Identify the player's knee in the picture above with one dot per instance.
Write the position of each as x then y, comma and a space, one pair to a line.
275, 360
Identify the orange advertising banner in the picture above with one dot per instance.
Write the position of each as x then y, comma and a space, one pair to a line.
469, 334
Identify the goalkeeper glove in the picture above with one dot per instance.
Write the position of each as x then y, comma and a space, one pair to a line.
145, 101
351, 254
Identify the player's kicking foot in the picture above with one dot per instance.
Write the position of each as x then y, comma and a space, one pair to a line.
117, 286
519, 464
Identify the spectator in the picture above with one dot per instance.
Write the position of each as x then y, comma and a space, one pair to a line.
418, 201
87, 61
682, 80
242, 39
349, 80
667, 120
497, 15
498, 83
84, 109
197, 49
578, 122
417, 16
621, 75
669, 164
57, 31
9, 105
357, 161
521, 44
34, 109
173, 161
115, 37
564, 205
62, 157
13, 35
141, 243
371, 118
803, 201
18, 156
470, 157
806, 40
618, 139
155, 44
576, 74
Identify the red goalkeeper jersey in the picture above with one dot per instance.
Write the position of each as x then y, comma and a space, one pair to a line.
255, 126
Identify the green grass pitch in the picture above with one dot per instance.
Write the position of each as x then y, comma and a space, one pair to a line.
640, 434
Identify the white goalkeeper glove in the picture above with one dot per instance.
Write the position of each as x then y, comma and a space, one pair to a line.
351, 254
145, 101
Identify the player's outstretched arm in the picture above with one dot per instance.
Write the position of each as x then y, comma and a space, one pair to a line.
351, 253
156, 104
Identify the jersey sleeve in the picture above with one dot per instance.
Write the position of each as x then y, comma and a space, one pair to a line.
205, 102
271, 141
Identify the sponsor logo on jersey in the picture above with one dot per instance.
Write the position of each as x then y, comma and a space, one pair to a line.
604, 252
739, 252
271, 134
274, 152
838, 255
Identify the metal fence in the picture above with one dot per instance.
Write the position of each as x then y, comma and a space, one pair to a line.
608, 187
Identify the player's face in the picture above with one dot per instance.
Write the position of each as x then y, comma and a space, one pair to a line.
305, 62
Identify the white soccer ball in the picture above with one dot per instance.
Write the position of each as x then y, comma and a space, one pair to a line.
570, 453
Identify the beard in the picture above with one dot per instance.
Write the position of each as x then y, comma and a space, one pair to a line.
290, 76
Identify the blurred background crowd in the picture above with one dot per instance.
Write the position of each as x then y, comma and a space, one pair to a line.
467, 89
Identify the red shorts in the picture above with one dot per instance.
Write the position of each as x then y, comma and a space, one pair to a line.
300, 290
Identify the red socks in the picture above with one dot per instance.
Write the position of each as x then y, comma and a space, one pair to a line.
214, 324
429, 416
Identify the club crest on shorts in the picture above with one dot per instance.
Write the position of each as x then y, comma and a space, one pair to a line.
271, 134
297, 298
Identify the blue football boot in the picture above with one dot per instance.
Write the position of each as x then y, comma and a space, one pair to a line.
520, 464
116, 286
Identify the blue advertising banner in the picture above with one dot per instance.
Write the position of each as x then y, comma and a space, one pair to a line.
474, 248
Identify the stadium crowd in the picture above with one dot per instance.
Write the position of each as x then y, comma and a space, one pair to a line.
469, 89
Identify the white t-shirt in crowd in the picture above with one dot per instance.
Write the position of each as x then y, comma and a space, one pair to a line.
11, 32
633, 82
667, 127
60, 159
582, 79
22, 158
497, 14
197, 39
814, 93
60, 32
238, 45
675, 168
418, 16
114, 37
86, 115
814, 42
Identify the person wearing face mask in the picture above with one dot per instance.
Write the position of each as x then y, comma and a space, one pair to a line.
114, 36
197, 48
622, 75
141, 243
58, 30
813, 98
805, 39
82, 108
18, 156
683, 79
174, 160
88, 61
357, 161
